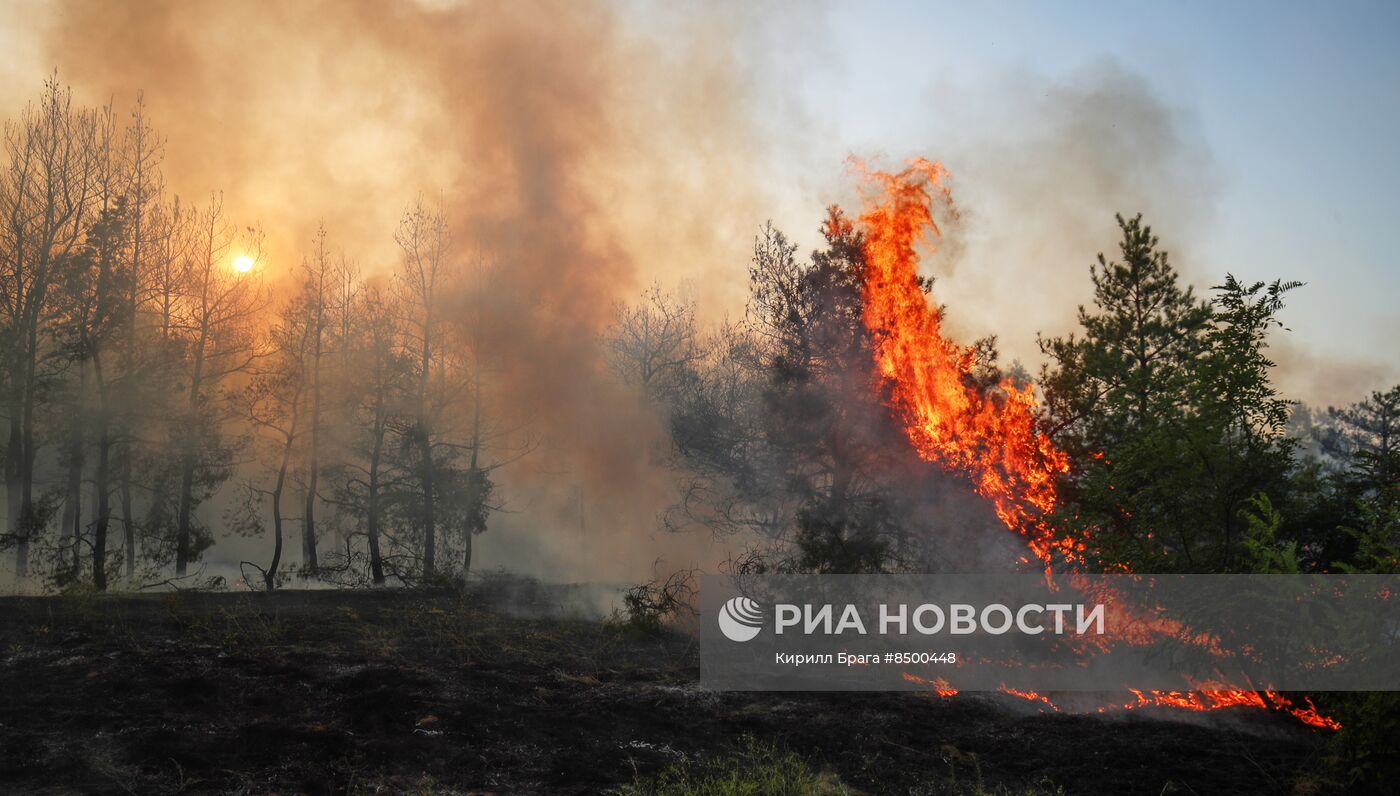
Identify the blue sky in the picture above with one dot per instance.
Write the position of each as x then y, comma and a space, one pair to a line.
1296, 107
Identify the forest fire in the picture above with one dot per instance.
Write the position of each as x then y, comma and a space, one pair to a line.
451, 396
989, 436
991, 439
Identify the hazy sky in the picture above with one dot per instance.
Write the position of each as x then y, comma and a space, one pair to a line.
1258, 138
1295, 107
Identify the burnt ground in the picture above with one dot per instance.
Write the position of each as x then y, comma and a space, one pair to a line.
395, 691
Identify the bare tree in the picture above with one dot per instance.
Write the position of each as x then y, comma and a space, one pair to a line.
320, 278
151, 241
215, 322
273, 403
46, 195
424, 240
652, 344
89, 325
383, 383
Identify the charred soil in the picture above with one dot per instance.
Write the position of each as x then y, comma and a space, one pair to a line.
400, 691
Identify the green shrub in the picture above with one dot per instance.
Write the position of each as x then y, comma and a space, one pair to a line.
648, 607
1364, 754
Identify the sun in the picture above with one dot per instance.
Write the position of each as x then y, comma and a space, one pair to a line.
243, 263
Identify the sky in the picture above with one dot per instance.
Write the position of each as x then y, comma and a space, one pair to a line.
1295, 108
1257, 138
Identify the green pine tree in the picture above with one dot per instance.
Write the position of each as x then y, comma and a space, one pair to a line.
1117, 398
1166, 407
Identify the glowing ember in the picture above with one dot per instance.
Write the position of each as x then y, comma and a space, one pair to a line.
1216, 700
1198, 701
1031, 696
938, 684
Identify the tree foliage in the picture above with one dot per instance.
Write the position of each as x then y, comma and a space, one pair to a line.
1166, 405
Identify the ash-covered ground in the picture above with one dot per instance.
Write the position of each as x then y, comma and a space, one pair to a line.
398, 691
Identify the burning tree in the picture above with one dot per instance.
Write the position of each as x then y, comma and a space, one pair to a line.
788, 436
980, 426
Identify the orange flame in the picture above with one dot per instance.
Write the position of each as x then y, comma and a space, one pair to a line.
990, 438
1031, 696
938, 684
1196, 701
1216, 700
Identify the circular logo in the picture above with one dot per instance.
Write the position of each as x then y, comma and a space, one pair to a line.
740, 619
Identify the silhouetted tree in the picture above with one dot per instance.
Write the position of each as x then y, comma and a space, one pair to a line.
90, 326
319, 279
425, 242
135, 386
653, 344
381, 390
47, 195
215, 325
274, 405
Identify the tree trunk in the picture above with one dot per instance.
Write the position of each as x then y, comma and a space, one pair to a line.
429, 520
376, 562
128, 522
271, 577
474, 481
102, 480
104, 511
71, 521
308, 540
182, 532
126, 448
17, 495
13, 456
313, 465
187, 463
27, 516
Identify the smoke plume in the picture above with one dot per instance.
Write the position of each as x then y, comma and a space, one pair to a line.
577, 155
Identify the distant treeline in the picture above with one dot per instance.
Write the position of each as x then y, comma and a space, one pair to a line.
148, 366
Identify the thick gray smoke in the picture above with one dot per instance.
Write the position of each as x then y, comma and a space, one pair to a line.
568, 145
1039, 167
